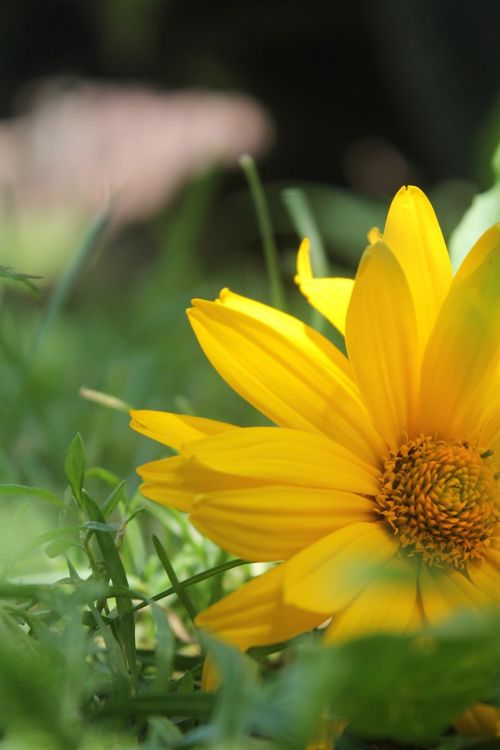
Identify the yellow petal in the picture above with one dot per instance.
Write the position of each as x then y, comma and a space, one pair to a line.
387, 604
489, 428
272, 523
255, 614
461, 361
481, 720
174, 429
485, 574
330, 296
286, 457
479, 253
381, 341
446, 592
331, 572
176, 481
210, 677
413, 234
285, 369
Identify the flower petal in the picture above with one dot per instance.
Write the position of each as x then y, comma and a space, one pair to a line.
387, 604
174, 429
485, 574
331, 572
461, 361
381, 340
176, 481
286, 457
285, 369
479, 253
489, 430
272, 523
413, 234
445, 592
330, 296
256, 615
480, 720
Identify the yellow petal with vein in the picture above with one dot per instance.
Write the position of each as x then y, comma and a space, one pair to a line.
174, 429
286, 457
176, 481
272, 523
330, 573
387, 604
446, 592
256, 615
330, 296
285, 369
381, 340
461, 361
413, 234
485, 574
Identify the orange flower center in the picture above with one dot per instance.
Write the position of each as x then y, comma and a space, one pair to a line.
441, 498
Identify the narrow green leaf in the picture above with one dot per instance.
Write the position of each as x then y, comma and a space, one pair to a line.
195, 705
38, 492
261, 207
237, 694
106, 476
71, 275
107, 528
58, 547
74, 466
198, 578
117, 496
125, 625
179, 590
304, 221
165, 648
25, 279
482, 214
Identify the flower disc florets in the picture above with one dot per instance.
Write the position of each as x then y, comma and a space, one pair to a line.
441, 498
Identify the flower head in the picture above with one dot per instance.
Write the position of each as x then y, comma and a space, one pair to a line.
378, 490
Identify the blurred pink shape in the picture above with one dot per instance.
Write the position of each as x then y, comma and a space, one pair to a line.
84, 147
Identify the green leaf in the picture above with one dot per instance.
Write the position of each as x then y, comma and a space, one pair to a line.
107, 528
117, 496
74, 466
195, 705
482, 214
237, 693
38, 492
178, 588
165, 648
408, 688
24, 279
125, 626
106, 476
261, 207
71, 275
58, 546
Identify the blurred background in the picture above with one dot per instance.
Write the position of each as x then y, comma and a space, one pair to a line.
121, 128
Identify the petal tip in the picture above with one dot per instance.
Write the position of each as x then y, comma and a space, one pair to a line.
304, 267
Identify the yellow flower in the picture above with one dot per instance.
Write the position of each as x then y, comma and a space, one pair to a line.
378, 490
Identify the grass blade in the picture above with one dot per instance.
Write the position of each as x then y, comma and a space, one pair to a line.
179, 590
266, 231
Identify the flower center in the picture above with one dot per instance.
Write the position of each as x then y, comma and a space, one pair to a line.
442, 499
